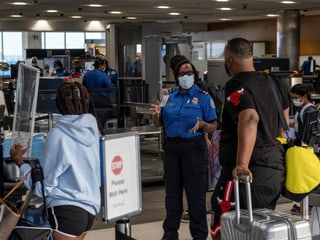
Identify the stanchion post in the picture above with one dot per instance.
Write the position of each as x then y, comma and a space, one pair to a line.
123, 229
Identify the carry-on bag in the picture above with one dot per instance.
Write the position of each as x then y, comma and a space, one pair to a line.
33, 223
262, 224
9, 214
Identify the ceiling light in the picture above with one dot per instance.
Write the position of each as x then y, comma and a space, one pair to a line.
15, 15
272, 15
115, 12
131, 18
51, 11
76, 17
222, 0
225, 19
225, 9
163, 7
20, 3
174, 14
288, 2
95, 5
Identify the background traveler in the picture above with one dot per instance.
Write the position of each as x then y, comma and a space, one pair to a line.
71, 165
34, 63
301, 98
77, 70
250, 126
135, 71
186, 115
308, 67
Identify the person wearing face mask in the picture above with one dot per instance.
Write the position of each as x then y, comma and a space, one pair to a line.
187, 113
97, 79
249, 131
34, 63
301, 99
59, 70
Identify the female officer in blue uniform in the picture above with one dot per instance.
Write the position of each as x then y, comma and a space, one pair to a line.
185, 116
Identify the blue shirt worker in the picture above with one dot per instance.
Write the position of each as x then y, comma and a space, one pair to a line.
112, 74
308, 67
185, 116
94, 80
59, 70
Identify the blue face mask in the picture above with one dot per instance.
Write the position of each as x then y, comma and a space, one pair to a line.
186, 81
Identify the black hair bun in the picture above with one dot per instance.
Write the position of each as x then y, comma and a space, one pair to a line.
177, 61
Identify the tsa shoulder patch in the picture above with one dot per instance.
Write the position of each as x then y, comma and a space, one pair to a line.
234, 97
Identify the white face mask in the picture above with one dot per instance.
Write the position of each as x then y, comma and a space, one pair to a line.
297, 102
186, 81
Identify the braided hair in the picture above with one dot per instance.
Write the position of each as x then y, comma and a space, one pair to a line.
72, 98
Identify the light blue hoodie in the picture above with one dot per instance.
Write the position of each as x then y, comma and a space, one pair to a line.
71, 164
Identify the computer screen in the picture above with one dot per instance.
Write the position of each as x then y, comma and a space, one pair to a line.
47, 95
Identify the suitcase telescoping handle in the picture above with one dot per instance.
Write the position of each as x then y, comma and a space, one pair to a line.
245, 179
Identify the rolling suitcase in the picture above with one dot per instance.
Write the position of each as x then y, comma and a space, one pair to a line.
261, 224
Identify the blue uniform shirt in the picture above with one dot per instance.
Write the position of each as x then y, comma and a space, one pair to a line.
113, 75
60, 73
181, 111
96, 79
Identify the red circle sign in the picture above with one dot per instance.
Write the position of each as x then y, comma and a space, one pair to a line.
116, 165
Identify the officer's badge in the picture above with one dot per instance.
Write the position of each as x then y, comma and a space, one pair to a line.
195, 100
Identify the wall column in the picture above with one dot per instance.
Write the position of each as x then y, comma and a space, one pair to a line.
288, 37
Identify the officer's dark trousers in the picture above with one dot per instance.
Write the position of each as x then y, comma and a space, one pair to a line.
185, 164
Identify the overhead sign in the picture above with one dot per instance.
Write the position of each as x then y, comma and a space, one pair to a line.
121, 176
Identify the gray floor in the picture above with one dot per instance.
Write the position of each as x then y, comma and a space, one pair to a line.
148, 223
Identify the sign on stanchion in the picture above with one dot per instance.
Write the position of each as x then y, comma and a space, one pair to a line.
121, 180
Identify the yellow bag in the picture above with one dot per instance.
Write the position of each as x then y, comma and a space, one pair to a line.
303, 170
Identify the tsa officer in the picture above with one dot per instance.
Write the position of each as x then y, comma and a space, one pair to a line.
185, 116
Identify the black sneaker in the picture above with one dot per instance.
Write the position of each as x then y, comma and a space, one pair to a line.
185, 217
164, 238
295, 210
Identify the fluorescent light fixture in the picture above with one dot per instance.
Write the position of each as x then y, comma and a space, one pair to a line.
95, 5
51, 11
225, 19
19, 3
222, 0
225, 9
174, 14
163, 7
131, 18
16, 15
272, 15
76, 17
115, 12
288, 2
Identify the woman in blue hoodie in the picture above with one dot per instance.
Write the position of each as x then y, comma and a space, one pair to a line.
70, 164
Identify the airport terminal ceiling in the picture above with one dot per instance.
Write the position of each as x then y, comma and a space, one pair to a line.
25, 14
